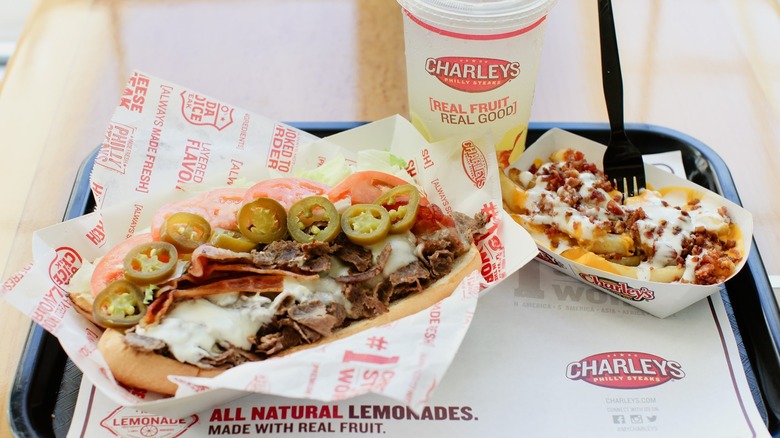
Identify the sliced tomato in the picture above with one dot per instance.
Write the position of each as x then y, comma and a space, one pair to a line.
365, 187
431, 218
218, 207
112, 266
287, 191
222, 206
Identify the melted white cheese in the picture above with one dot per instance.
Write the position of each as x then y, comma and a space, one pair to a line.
337, 268
204, 327
197, 328
326, 290
402, 251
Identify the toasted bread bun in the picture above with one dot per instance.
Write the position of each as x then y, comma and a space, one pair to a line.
150, 371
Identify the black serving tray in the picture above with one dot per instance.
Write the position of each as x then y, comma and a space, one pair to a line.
46, 385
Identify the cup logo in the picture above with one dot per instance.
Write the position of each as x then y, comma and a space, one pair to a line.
625, 370
471, 74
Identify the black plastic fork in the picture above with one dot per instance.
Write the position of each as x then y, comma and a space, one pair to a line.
623, 163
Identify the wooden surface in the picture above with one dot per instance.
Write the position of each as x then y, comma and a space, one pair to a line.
707, 68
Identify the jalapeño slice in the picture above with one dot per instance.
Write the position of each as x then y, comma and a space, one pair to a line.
186, 231
150, 262
262, 220
402, 203
365, 224
313, 218
232, 240
119, 306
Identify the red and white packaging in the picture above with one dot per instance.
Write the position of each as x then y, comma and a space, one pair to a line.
166, 143
658, 299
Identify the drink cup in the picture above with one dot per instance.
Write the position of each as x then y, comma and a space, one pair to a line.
472, 66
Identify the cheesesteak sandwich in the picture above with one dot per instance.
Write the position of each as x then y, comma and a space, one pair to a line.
238, 275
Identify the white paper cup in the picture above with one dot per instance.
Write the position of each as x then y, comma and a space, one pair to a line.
472, 66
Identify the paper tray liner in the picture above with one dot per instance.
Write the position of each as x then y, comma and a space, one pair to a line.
45, 370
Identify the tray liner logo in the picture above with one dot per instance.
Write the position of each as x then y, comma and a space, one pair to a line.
132, 423
625, 370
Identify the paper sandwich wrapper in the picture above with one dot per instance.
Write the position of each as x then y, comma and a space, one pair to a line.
658, 299
166, 142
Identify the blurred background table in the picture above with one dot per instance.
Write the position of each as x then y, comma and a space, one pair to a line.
707, 68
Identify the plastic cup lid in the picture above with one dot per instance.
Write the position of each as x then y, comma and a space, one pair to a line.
478, 14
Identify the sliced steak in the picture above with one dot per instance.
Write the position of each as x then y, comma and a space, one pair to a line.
412, 278
358, 257
306, 334
469, 227
370, 273
307, 258
144, 343
232, 356
441, 262
364, 302
317, 316
276, 341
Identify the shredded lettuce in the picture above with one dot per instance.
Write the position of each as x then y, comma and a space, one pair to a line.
80, 282
149, 291
337, 169
383, 161
331, 172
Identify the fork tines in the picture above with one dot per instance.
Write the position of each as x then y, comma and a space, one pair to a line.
624, 166
625, 187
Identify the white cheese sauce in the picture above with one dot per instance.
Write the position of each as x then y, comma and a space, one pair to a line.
579, 224
662, 233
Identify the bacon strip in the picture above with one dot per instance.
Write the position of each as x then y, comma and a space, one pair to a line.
200, 265
248, 283
253, 283
158, 307
262, 271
